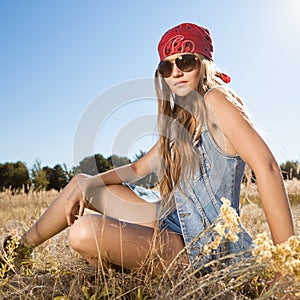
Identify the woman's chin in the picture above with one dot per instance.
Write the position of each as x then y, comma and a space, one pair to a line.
182, 91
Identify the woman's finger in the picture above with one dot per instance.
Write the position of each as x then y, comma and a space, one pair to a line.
68, 213
75, 205
71, 205
81, 208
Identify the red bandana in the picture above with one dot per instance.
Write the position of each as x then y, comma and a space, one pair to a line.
186, 37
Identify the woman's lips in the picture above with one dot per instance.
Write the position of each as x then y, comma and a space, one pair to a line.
178, 83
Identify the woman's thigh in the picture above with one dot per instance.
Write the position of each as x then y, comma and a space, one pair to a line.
120, 202
122, 243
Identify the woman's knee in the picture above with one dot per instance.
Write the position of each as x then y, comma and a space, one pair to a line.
82, 233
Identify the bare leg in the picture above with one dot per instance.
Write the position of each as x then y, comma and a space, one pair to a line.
126, 244
121, 243
53, 219
120, 202
116, 201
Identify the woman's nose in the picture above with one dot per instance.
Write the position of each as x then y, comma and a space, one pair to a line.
176, 71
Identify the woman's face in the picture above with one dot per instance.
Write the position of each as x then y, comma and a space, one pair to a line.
180, 82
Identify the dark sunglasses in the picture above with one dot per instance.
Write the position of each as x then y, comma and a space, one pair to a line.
184, 62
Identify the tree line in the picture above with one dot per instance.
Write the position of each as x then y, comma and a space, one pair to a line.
16, 175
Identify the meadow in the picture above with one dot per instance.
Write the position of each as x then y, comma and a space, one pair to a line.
60, 273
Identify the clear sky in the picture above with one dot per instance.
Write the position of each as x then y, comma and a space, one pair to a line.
57, 58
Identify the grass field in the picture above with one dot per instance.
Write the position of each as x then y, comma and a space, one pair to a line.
60, 273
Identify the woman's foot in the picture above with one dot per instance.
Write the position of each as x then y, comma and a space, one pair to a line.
15, 256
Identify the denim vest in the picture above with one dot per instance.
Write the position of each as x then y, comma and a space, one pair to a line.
198, 201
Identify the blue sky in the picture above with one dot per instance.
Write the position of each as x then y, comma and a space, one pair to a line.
58, 57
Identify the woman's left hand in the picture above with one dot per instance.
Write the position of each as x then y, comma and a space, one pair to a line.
76, 201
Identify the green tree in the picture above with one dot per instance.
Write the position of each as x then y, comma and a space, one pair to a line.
290, 169
93, 165
39, 176
118, 161
14, 175
57, 177
3, 176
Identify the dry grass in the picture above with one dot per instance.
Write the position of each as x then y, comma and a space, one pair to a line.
59, 273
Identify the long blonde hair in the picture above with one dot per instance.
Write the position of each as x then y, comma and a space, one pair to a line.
180, 120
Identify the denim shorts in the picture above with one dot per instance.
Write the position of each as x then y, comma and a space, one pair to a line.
150, 196
171, 223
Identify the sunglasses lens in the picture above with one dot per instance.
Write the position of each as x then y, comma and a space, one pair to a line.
165, 68
186, 62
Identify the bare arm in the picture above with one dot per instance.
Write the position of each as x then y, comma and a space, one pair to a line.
249, 145
76, 201
128, 173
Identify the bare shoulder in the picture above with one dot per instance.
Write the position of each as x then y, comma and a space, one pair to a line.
217, 96
227, 115
218, 115
222, 104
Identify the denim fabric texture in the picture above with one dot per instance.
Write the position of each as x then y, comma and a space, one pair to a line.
171, 222
150, 196
198, 202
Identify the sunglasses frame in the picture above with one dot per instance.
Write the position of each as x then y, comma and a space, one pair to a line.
178, 62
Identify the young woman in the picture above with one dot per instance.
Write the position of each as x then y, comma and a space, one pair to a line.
205, 140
